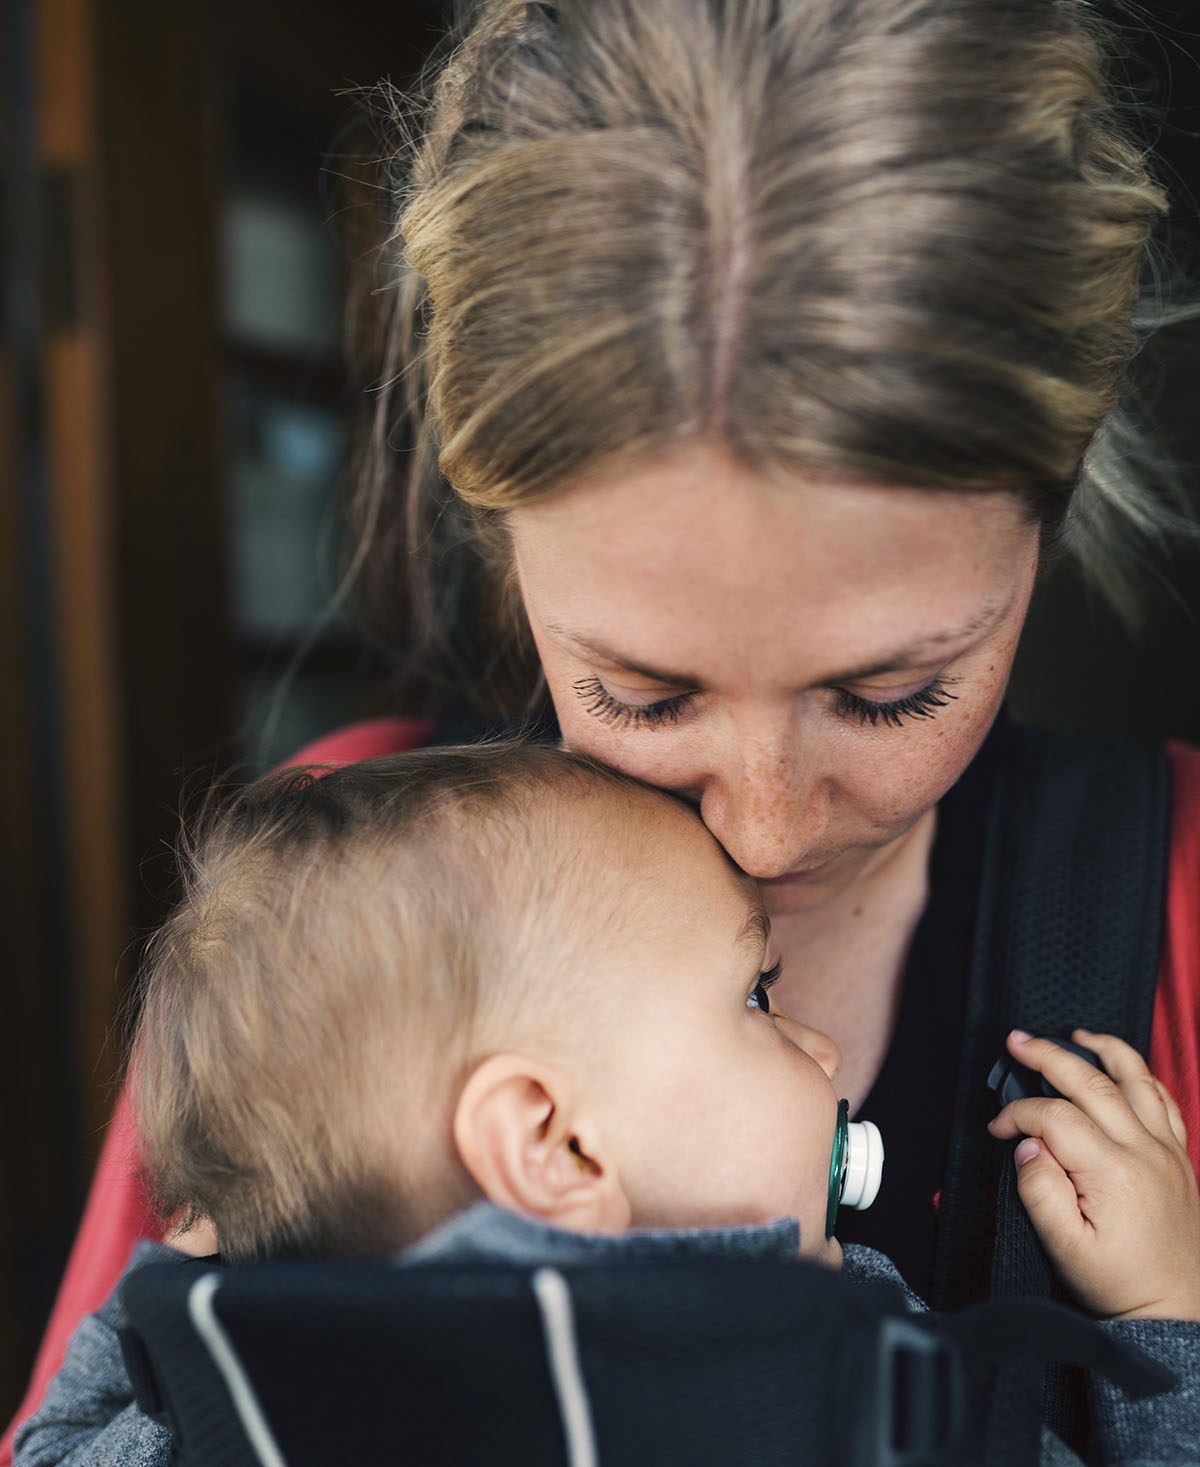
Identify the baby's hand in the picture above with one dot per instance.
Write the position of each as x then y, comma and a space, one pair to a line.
1107, 1181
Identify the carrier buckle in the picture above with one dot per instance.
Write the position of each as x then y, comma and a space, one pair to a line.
913, 1404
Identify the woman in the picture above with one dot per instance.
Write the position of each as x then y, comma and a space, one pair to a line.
768, 351
764, 352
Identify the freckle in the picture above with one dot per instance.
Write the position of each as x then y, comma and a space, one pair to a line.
858, 911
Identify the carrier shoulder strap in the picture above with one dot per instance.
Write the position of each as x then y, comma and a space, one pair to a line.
1068, 932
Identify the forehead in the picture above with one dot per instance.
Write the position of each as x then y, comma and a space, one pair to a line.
642, 860
701, 561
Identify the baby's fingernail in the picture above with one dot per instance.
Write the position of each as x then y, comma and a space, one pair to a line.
1019, 1035
1026, 1151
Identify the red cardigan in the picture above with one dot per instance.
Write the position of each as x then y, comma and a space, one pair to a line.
117, 1213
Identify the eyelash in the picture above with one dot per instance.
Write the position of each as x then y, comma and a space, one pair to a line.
766, 981
601, 704
924, 703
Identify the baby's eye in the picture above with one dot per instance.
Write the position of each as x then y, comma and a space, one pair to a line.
759, 997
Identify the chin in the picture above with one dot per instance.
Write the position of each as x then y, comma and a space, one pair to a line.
804, 893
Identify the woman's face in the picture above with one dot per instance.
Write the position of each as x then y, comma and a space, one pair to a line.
812, 663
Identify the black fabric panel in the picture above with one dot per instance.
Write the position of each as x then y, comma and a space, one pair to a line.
356, 1364
701, 1366
1069, 933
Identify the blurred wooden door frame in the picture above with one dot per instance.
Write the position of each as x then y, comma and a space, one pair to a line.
116, 657
63, 778
159, 115
111, 657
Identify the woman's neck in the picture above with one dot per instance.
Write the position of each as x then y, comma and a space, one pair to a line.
844, 959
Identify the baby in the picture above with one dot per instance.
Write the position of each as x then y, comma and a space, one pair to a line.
505, 974
472, 973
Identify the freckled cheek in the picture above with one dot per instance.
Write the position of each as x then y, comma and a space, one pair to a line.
655, 756
905, 788
580, 732
897, 778
610, 745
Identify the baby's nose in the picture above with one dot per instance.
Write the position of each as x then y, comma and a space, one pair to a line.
815, 1042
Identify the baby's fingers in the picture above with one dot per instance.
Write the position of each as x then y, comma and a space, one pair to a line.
1174, 1115
1049, 1196
1147, 1098
1097, 1095
1070, 1136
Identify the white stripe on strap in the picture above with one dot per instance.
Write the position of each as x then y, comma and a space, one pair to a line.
220, 1347
558, 1324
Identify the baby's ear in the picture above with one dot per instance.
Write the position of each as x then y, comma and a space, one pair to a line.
521, 1136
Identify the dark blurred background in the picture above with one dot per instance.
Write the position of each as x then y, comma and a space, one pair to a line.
186, 191
187, 203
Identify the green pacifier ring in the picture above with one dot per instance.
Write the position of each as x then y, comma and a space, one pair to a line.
837, 1165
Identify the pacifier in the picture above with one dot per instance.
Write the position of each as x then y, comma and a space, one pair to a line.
856, 1166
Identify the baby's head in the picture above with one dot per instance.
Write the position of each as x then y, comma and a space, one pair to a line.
498, 971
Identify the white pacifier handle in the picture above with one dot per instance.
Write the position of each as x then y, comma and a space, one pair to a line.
864, 1164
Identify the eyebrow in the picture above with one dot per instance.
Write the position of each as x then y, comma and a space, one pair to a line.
930, 643
892, 662
756, 930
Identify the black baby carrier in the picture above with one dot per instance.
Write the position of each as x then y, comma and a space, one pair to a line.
723, 1364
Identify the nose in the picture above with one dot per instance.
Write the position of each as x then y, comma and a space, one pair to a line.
766, 800
818, 1045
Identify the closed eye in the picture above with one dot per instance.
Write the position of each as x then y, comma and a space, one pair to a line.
601, 704
924, 703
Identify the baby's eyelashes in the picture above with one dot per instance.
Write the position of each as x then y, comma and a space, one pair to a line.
760, 996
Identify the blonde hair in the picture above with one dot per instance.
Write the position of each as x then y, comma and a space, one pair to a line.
344, 946
900, 240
